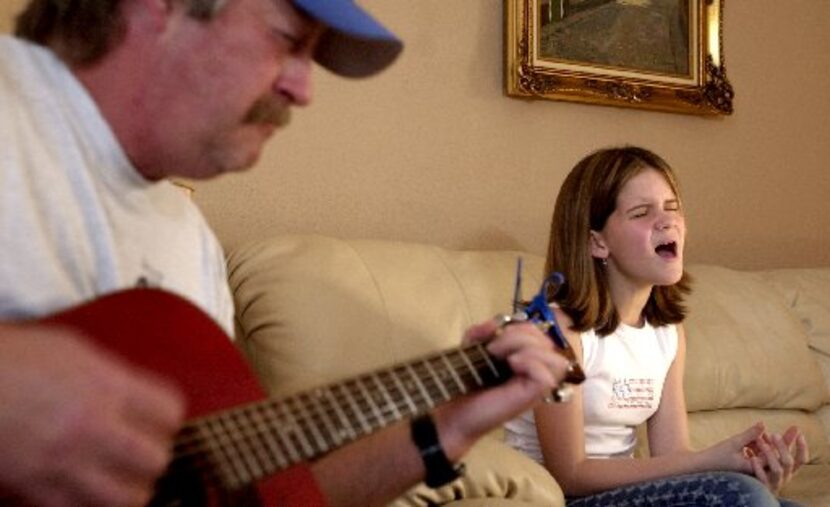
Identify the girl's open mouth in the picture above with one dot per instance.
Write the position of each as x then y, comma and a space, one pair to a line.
667, 250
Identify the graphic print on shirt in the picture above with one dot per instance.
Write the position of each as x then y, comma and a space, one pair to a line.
632, 393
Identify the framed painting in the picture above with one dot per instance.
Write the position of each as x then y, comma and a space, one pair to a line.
653, 54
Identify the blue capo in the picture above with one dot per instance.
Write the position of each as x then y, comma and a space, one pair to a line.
539, 312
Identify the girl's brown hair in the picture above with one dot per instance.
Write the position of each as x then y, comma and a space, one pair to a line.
586, 200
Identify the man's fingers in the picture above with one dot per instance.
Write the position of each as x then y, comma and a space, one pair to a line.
481, 331
100, 486
134, 455
516, 336
534, 370
153, 404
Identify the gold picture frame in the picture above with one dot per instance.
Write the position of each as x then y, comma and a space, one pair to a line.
653, 54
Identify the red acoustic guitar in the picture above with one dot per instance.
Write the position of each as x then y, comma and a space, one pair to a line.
238, 443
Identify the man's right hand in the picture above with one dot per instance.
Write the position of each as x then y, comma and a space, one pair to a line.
537, 368
77, 425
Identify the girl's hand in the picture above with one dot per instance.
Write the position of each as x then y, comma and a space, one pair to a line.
734, 453
776, 458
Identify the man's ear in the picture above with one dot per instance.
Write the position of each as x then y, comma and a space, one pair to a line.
597, 246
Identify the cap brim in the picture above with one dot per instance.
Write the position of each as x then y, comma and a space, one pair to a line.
354, 43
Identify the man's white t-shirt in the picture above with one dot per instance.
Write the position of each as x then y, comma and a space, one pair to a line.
77, 220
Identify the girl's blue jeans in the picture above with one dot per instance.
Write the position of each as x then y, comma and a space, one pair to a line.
713, 489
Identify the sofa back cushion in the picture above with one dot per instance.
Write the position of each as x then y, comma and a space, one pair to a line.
745, 347
314, 309
807, 293
748, 359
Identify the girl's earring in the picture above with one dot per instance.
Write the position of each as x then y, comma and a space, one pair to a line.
604, 262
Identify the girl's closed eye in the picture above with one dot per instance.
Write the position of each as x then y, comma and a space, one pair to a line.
672, 206
638, 212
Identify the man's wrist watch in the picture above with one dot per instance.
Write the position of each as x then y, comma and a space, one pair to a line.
439, 469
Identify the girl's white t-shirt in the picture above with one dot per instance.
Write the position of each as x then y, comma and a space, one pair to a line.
625, 374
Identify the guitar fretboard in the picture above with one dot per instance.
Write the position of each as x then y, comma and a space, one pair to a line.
238, 447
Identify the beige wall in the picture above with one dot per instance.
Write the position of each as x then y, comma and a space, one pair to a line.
433, 151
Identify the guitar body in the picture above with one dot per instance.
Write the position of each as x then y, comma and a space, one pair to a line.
166, 334
239, 447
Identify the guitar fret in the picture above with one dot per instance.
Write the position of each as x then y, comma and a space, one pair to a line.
462, 387
368, 398
251, 453
345, 428
396, 414
233, 471
356, 409
445, 374
307, 423
241, 472
427, 398
279, 428
474, 372
487, 360
241, 445
294, 430
214, 453
406, 395
445, 396
330, 434
265, 432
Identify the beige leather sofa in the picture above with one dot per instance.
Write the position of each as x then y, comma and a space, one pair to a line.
314, 309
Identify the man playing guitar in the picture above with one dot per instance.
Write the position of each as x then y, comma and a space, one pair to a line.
102, 102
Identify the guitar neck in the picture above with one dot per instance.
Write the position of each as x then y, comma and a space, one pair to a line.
240, 446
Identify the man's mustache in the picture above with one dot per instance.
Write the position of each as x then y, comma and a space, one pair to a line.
269, 110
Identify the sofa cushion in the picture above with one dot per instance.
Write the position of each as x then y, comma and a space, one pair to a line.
312, 310
807, 293
385, 302
315, 309
810, 486
764, 363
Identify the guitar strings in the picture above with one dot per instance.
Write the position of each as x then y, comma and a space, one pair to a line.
247, 425
457, 364
364, 402
245, 468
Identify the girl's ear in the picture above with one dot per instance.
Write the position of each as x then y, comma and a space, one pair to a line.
597, 246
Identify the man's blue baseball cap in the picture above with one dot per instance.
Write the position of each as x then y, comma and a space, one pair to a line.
354, 44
